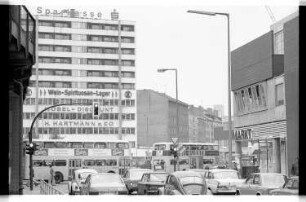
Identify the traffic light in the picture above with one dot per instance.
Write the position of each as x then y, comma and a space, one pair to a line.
95, 109
173, 151
30, 148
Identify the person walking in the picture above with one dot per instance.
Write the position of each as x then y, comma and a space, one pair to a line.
51, 175
295, 167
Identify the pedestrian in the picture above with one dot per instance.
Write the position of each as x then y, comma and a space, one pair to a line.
295, 167
51, 175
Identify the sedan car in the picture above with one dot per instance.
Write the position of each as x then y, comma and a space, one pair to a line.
150, 182
223, 181
78, 177
132, 177
261, 183
104, 183
184, 183
291, 187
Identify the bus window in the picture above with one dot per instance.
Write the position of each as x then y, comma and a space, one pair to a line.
38, 163
61, 144
208, 161
215, 147
60, 163
184, 162
49, 162
111, 162
205, 147
49, 145
76, 145
39, 144
88, 145
100, 162
89, 162
160, 147
122, 145
210, 147
100, 145
111, 145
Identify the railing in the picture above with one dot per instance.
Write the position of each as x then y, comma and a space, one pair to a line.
48, 189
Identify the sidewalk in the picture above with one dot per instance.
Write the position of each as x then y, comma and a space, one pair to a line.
35, 191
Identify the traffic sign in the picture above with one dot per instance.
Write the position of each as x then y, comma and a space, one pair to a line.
174, 140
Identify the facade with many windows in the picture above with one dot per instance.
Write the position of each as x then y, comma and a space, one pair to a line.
264, 72
83, 62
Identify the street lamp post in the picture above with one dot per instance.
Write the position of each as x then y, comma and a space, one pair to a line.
229, 76
176, 100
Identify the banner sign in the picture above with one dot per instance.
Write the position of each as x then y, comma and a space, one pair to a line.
77, 123
117, 152
83, 109
81, 152
245, 134
80, 93
99, 152
41, 152
212, 153
61, 152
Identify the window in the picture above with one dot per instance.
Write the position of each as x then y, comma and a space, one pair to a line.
45, 23
127, 62
62, 36
62, 24
94, 38
95, 26
279, 42
94, 61
94, 50
127, 39
279, 94
62, 48
127, 28
43, 35
45, 47
127, 51
60, 163
79, 37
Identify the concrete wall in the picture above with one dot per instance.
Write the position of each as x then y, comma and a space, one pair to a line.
252, 62
291, 68
152, 118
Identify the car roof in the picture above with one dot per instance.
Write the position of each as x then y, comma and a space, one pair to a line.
222, 170
156, 173
187, 173
268, 174
85, 171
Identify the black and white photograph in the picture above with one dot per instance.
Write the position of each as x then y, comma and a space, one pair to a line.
142, 98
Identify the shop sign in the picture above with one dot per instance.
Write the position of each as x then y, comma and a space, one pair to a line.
68, 13
245, 134
79, 93
77, 123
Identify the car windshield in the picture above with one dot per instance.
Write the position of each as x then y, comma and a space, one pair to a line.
191, 180
193, 188
226, 175
158, 177
273, 180
137, 174
107, 179
292, 184
83, 176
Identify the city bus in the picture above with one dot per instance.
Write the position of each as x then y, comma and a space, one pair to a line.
193, 156
112, 156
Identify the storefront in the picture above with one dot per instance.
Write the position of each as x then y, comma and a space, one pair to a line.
261, 148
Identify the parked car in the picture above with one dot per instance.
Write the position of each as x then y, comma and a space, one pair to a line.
150, 182
104, 183
223, 181
78, 177
132, 177
261, 183
291, 187
184, 183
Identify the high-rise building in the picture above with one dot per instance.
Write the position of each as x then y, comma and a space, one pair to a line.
87, 62
265, 83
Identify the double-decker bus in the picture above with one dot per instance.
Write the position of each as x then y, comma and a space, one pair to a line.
112, 156
194, 155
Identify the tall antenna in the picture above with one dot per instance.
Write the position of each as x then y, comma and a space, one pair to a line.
270, 13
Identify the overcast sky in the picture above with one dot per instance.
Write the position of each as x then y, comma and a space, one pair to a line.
169, 37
